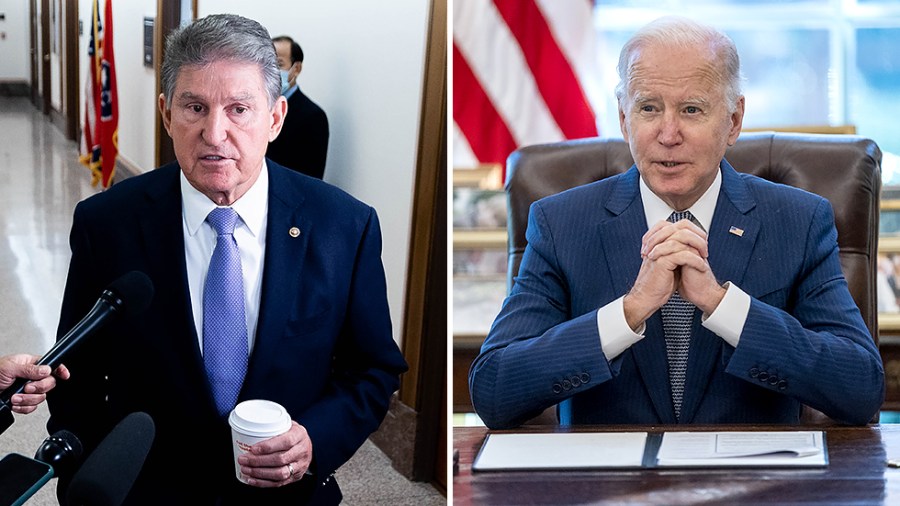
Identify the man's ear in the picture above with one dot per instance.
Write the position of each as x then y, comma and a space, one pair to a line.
737, 122
279, 110
166, 113
622, 123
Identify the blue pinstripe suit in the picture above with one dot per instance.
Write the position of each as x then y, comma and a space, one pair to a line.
804, 341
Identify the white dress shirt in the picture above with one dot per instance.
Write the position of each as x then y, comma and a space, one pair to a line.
250, 235
727, 321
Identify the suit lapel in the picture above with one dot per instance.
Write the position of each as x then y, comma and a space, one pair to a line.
734, 230
287, 238
732, 237
621, 241
620, 235
163, 238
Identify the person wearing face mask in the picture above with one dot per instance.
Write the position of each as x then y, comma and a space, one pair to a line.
303, 142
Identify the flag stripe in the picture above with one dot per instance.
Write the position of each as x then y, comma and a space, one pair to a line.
109, 139
554, 76
99, 140
90, 147
497, 61
475, 113
462, 151
573, 29
523, 74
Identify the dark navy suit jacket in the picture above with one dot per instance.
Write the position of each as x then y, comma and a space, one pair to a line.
804, 340
323, 347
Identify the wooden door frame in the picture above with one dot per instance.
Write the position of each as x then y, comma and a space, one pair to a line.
425, 325
32, 39
71, 104
168, 18
45, 57
414, 434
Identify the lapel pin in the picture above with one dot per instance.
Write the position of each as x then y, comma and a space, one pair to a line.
736, 231
294, 232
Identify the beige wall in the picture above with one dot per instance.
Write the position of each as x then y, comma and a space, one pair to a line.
14, 65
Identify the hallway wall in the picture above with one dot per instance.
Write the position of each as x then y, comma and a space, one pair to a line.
14, 66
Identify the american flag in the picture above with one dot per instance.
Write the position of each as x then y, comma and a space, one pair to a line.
521, 72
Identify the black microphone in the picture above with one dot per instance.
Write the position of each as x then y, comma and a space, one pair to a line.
21, 477
130, 294
107, 475
62, 450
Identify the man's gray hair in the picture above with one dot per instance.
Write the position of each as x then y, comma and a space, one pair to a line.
683, 32
220, 37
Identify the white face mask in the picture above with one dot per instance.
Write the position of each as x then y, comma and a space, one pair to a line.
285, 82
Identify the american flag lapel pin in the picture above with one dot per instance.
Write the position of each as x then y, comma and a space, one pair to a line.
736, 231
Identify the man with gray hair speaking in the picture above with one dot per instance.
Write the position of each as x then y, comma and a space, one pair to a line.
269, 285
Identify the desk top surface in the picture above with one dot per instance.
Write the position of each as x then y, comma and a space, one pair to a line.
857, 474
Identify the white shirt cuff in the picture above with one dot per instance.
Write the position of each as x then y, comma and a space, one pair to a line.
727, 321
615, 334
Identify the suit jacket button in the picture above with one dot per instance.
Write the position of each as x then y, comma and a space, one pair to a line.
754, 372
576, 381
585, 377
782, 384
557, 388
763, 376
773, 380
567, 385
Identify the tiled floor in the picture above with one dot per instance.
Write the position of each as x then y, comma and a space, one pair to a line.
40, 183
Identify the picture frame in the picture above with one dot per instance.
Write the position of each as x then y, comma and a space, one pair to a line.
888, 262
487, 176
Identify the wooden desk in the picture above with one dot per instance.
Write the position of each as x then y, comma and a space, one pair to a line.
856, 475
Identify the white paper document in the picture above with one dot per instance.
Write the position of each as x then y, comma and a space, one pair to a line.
561, 451
720, 449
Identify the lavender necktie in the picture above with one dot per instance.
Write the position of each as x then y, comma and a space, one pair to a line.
224, 327
677, 317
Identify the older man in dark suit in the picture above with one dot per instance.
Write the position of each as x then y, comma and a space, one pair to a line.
680, 291
269, 285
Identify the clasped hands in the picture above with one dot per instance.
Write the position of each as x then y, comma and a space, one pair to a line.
675, 257
278, 461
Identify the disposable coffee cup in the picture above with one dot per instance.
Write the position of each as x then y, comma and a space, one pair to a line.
254, 421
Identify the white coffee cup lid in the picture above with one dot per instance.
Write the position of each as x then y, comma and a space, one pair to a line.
260, 418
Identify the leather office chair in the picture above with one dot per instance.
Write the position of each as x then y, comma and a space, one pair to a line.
844, 169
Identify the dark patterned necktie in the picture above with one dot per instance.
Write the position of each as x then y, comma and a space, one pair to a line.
224, 327
677, 316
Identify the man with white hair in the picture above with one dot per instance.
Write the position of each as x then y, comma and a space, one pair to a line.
680, 291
